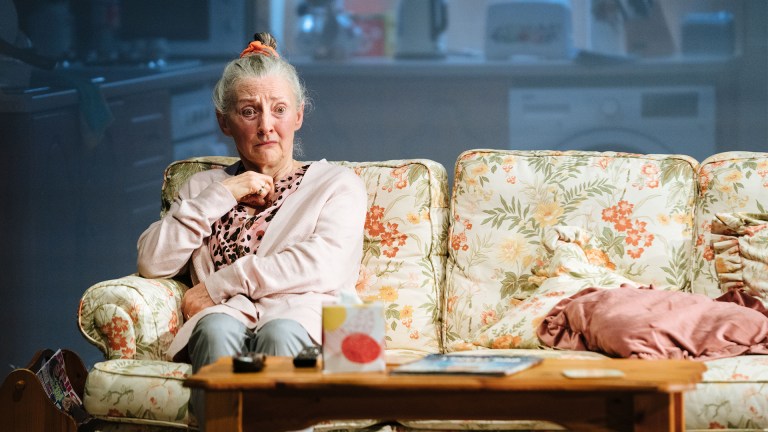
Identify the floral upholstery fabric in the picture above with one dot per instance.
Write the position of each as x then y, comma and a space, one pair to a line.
577, 262
732, 182
740, 244
132, 317
732, 395
145, 390
405, 248
485, 425
107, 426
639, 206
179, 172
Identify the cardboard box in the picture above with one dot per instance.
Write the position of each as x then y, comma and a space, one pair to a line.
353, 338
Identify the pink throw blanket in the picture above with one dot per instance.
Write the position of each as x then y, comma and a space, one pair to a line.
645, 323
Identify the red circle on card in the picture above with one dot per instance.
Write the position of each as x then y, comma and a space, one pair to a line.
360, 348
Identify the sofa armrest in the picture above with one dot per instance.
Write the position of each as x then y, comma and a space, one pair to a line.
132, 317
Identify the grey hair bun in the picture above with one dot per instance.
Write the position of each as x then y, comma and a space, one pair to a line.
266, 39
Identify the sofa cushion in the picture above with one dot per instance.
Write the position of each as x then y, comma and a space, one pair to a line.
728, 182
405, 248
139, 391
504, 201
352, 426
405, 244
731, 395
740, 245
479, 425
577, 262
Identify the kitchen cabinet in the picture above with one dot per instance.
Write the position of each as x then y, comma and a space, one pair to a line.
74, 200
122, 178
40, 215
194, 129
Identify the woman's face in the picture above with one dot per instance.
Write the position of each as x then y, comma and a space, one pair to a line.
262, 122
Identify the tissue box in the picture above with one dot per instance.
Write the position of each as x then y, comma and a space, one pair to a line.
353, 338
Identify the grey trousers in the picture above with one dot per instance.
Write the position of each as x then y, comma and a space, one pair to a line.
220, 335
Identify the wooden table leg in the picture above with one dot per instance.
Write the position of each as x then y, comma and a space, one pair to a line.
223, 411
659, 412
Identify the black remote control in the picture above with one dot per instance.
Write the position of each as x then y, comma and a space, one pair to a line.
248, 362
307, 357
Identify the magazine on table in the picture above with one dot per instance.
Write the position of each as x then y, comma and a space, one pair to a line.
53, 376
492, 365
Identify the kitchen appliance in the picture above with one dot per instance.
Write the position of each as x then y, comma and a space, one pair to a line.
50, 29
191, 28
708, 34
326, 31
528, 28
673, 119
420, 27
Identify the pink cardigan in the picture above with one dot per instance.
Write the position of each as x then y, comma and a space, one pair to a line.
310, 252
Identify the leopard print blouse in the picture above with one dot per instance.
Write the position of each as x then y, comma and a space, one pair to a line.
237, 234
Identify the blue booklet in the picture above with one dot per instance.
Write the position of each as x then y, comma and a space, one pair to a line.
456, 364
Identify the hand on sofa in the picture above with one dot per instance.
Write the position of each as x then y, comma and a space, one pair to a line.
195, 300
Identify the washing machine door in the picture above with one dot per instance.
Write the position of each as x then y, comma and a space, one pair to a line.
615, 139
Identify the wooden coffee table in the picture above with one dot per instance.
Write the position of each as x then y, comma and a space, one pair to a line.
648, 398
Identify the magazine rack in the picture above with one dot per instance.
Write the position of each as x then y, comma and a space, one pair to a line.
24, 404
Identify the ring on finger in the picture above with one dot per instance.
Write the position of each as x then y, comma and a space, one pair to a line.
261, 190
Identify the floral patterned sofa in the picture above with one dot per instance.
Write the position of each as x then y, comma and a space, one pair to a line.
475, 271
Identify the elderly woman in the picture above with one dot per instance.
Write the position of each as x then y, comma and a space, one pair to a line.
267, 240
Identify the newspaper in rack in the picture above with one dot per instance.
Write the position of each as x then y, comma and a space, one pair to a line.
53, 376
494, 365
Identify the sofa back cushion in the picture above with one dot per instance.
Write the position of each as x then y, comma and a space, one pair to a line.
731, 182
639, 207
405, 247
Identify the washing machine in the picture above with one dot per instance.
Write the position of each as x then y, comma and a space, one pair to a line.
676, 119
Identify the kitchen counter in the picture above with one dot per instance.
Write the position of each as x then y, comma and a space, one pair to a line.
53, 90
457, 66
57, 89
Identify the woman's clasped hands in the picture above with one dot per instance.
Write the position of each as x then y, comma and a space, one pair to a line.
251, 188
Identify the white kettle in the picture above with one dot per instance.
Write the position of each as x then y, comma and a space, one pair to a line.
420, 27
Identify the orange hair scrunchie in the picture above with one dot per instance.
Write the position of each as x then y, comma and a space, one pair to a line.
257, 47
